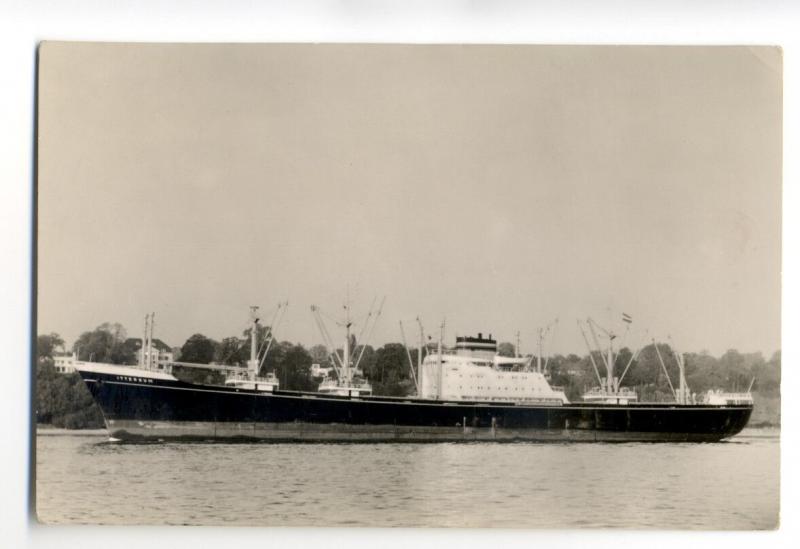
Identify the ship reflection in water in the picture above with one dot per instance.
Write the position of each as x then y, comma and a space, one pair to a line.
526, 485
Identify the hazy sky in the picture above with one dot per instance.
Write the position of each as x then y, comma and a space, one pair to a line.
499, 187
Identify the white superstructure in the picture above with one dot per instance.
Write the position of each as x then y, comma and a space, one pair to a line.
622, 395
473, 371
722, 398
355, 387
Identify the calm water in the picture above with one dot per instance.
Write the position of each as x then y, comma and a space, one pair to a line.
730, 485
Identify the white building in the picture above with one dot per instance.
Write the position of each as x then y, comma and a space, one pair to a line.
64, 364
159, 355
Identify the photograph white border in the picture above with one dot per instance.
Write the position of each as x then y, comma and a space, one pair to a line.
24, 24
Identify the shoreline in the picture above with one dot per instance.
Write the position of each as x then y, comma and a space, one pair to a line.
49, 430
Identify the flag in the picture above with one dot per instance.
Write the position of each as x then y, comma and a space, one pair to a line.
626, 318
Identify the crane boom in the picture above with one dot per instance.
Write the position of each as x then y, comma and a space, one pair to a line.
408, 353
591, 355
664, 366
372, 329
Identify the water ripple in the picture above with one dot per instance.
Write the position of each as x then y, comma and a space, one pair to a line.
86, 480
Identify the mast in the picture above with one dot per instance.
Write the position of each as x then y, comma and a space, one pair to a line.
420, 374
539, 352
346, 350
333, 354
611, 388
609, 358
150, 342
682, 381
144, 340
419, 349
348, 363
253, 362
683, 388
439, 369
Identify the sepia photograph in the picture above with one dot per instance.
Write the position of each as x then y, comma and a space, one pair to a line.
405, 285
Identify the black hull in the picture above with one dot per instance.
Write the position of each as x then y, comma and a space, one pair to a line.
147, 409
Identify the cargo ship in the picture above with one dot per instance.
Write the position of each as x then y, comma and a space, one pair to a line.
465, 393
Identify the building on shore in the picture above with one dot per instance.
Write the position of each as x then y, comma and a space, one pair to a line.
159, 355
64, 364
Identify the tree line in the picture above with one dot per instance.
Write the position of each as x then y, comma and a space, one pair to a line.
62, 400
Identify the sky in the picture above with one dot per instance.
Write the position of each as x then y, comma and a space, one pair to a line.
498, 188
